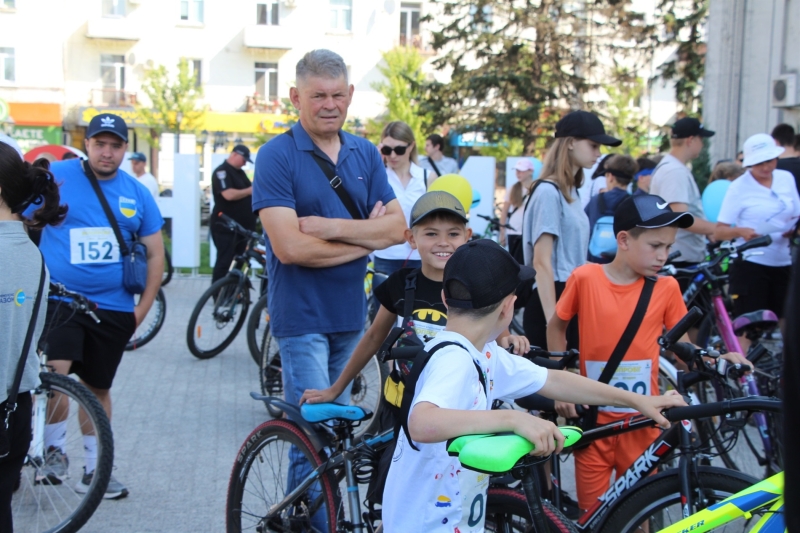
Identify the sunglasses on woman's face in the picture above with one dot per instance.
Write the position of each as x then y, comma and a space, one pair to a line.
399, 150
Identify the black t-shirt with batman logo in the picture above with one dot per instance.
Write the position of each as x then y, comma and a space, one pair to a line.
429, 315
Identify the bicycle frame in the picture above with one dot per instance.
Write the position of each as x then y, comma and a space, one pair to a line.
767, 494
39, 416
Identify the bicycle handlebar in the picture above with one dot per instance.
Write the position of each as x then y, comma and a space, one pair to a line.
722, 252
683, 325
495, 220
758, 242
238, 228
673, 256
79, 302
708, 410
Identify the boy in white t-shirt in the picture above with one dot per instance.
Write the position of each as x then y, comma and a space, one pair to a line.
426, 489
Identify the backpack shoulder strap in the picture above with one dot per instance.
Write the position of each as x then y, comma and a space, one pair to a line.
408, 298
601, 203
335, 182
411, 386
533, 190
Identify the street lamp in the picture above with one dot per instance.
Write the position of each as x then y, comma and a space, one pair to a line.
178, 119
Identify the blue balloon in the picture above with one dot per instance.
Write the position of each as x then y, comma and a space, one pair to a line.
713, 195
476, 198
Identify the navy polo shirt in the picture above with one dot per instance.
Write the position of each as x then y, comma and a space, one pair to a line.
306, 300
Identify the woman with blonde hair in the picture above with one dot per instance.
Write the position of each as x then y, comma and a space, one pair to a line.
409, 181
555, 236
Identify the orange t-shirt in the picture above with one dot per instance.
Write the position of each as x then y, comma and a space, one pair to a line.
604, 310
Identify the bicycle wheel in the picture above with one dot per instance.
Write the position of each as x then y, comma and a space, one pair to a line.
168, 270
264, 473
658, 503
257, 328
151, 325
218, 317
507, 511
366, 391
45, 503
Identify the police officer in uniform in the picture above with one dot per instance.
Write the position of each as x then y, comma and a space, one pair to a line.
232, 196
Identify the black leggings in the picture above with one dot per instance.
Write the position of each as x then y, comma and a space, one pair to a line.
19, 435
535, 324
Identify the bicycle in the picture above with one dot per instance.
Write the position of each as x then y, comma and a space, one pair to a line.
43, 501
707, 289
259, 500
221, 311
151, 323
764, 498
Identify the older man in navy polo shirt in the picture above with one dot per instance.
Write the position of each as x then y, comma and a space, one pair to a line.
317, 246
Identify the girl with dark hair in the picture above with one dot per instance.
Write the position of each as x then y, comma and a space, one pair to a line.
21, 184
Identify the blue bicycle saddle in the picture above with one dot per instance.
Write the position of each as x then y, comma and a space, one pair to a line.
322, 412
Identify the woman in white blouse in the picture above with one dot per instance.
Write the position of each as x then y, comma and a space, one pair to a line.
763, 201
409, 181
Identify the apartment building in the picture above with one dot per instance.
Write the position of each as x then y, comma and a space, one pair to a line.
61, 62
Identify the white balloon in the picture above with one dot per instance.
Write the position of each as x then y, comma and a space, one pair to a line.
11, 142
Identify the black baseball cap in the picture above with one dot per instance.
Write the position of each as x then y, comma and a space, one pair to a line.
586, 126
107, 123
243, 151
434, 202
487, 271
689, 127
647, 211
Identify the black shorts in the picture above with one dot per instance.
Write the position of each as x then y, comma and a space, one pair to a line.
754, 287
535, 324
94, 349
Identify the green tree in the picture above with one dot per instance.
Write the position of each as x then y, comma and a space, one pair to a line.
683, 22
622, 115
516, 65
171, 97
402, 88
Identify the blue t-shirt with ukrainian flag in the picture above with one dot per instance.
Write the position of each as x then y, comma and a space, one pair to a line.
82, 252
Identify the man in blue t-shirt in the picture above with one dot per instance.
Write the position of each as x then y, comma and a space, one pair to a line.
83, 253
316, 251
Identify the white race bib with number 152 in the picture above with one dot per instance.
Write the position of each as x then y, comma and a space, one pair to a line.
634, 376
93, 245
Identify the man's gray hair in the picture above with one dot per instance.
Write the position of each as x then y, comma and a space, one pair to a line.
322, 64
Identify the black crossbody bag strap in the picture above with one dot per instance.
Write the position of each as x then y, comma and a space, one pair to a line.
629, 333
411, 387
435, 168
11, 403
123, 247
335, 183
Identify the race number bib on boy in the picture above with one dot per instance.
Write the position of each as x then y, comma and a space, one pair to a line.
634, 376
93, 245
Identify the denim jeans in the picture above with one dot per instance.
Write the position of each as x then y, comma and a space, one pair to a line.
313, 361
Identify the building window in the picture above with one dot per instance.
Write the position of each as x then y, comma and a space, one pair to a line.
7, 67
409, 25
267, 80
192, 10
196, 69
267, 13
112, 72
113, 8
341, 15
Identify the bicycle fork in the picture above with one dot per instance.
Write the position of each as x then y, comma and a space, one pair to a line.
357, 525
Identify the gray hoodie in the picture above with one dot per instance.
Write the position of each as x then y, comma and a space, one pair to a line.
20, 269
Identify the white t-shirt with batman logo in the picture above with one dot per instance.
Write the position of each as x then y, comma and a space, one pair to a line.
427, 490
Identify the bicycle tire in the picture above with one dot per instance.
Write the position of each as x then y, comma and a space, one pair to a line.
220, 293
257, 328
247, 467
168, 270
29, 501
650, 500
507, 511
151, 324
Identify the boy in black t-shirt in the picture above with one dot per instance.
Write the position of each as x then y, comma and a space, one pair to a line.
438, 227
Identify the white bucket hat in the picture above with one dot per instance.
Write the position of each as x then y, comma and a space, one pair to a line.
759, 148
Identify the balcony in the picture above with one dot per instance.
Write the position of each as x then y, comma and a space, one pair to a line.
112, 29
112, 97
265, 37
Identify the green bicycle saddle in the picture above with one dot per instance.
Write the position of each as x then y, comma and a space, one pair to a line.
498, 453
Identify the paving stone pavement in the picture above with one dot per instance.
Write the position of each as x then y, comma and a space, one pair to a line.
178, 422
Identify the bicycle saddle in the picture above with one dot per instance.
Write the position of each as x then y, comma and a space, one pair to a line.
763, 318
322, 412
498, 453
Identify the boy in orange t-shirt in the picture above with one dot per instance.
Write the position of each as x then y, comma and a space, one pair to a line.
604, 298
